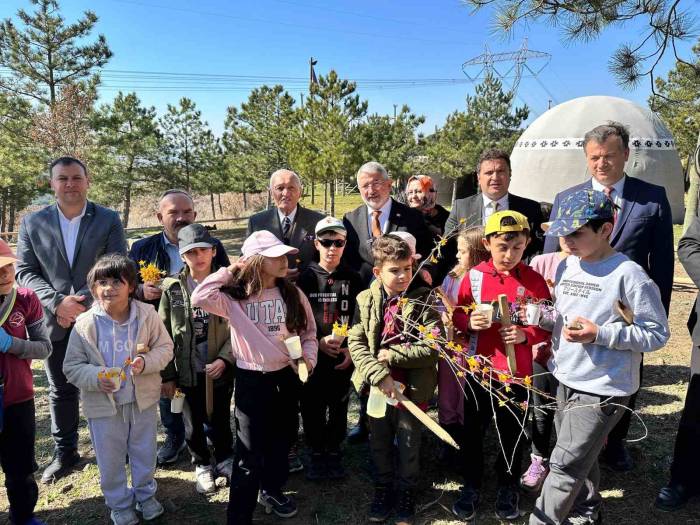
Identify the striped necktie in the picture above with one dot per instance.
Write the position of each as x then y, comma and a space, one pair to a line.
286, 226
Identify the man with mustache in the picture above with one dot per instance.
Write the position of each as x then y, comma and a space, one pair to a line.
175, 210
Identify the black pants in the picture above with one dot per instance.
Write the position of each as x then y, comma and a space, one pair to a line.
619, 433
401, 427
479, 409
264, 413
220, 424
327, 392
543, 418
686, 455
17, 460
63, 400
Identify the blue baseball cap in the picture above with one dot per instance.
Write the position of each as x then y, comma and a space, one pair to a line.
577, 209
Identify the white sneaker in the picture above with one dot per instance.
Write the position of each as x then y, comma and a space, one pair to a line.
151, 508
124, 517
206, 484
225, 468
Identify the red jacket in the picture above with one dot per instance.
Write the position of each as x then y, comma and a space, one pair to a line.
520, 282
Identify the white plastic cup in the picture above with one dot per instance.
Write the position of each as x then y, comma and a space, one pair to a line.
487, 310
532, 314
293, 347
177, 404
116, 380
376, 403
339, 338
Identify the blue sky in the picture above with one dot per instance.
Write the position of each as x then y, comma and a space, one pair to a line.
380, 39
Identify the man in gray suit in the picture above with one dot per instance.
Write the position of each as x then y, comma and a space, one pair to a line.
288, 220
57, 247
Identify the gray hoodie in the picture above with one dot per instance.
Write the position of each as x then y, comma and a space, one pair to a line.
610, 365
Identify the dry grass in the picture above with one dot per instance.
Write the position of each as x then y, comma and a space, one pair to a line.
628, 497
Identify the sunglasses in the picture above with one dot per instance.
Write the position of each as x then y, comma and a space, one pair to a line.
327, 243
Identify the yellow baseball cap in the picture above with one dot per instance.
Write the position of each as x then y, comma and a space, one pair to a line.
493, 223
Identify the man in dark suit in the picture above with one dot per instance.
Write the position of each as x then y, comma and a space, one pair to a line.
175, 210
493, 175
57, 246
643, 231
380, 214
288, 220
684, 482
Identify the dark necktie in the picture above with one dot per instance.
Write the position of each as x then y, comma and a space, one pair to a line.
608, 190
286, 226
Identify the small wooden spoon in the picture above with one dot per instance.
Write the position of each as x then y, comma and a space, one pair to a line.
625, 312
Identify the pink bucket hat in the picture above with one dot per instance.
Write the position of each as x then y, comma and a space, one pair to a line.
265, 243
6, 254
410, 240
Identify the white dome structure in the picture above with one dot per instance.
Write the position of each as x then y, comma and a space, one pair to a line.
549, 158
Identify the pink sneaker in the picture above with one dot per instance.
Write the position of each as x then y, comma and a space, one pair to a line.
533, 478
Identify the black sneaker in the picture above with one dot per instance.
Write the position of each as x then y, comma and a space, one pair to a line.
406, 507
507, 500
465, 507
278, 503
295, 464
334, 466
382, 504
316, 469
671, 497
60, 466
170, 451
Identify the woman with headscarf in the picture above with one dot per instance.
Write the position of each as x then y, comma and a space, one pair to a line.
422, 195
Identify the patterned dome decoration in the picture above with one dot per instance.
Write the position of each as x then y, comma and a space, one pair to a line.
549, 157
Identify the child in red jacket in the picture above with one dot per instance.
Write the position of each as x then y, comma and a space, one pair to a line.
506, 237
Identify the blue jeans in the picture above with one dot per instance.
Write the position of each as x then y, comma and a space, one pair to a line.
173, 423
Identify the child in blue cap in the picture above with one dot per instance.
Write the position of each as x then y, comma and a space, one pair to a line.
596, 352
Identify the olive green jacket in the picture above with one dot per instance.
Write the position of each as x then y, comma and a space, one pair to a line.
414, 355
176, 312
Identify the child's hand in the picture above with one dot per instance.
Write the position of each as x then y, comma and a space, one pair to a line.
215, 369
586, 334
329, 346
384, 356
512, 335
522, 314
137, 365
347, 360
104, 383
388, 387
478, 321
309, 366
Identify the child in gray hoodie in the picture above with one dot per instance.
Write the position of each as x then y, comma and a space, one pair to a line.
115, 354
597, 348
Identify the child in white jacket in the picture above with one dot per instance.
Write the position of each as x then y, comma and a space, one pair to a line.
115, 354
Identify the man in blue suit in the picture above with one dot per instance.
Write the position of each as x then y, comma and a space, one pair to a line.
643, 231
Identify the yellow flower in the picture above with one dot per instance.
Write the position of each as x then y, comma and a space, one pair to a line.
460, 373
472, 362
421, 329
508, 389
443, 241
502, 378
501, 403
527, 381
433, 259
150, 273
142, 263
462, 221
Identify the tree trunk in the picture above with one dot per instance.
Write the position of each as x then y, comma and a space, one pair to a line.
221, 208
127, 205
454, 192
245, 201
333, 187
325, 196
3, 211
12, 216
313, 191
213, 208
691, 208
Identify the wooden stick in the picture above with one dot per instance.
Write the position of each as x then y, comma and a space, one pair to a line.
209, 396
625, 312
426, 419
505, 323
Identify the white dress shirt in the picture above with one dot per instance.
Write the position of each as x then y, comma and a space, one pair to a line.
489, 206
291, 216
383, 217
616, 194
69, 232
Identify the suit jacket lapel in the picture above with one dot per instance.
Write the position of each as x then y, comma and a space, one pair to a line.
296, 236
55, 227
395, 217
363, 233
274, 222
629, 191
475, 212
84, 225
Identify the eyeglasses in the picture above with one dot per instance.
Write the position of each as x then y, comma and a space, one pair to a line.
327, 243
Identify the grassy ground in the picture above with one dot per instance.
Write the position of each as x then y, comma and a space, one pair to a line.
628, 497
